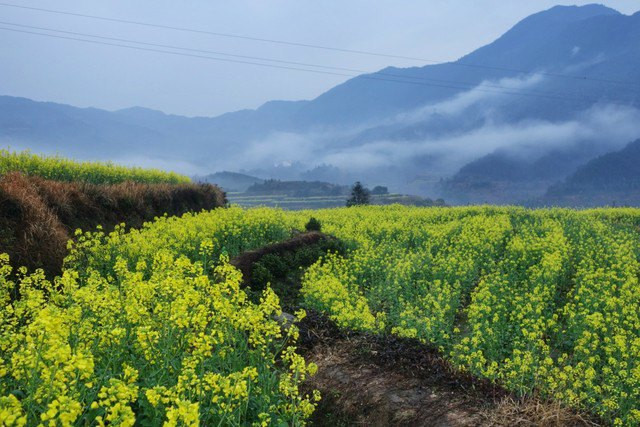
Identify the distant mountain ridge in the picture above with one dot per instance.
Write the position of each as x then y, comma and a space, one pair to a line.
610, 179
230, 181
618, 170
298, 188
409, 128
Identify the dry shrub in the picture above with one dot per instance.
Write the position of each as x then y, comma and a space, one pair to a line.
31, 233
533, 412
38, 216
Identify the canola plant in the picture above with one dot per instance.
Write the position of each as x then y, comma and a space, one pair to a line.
152, 326
541, 301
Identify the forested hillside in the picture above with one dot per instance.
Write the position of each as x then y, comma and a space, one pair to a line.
611, 179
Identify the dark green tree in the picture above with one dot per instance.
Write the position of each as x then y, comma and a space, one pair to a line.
313, 225
359, 195
379, 190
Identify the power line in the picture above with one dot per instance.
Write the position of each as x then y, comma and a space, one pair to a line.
314, 46
366, 76
172, 53
212, 33
183, 48
342, 69
479, 88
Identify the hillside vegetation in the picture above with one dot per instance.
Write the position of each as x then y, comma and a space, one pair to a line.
62, 169
230, 181
297, 188
611, 179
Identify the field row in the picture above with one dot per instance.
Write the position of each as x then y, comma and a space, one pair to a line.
153, 324
542, 301
538, 301
151, 327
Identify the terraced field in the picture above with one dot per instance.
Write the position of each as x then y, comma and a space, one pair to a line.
321, 202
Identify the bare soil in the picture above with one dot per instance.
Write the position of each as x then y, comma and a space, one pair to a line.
375, 381
388, 381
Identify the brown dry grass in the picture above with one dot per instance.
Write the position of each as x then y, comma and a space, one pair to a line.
533, 412
30, 232
38, 216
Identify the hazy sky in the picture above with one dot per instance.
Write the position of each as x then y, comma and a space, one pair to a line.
82, 74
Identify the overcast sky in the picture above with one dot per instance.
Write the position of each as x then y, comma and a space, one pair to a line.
109, 77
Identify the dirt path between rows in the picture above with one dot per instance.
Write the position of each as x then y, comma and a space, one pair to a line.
368, 393
387, 381
374, 381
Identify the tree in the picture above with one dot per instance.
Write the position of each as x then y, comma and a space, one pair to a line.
313, 225
359, 195
379, 190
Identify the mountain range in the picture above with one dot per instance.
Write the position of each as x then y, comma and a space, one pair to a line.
612, 179
502, 124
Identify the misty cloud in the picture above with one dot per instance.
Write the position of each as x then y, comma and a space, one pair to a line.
609, 125
484, 93
605, 127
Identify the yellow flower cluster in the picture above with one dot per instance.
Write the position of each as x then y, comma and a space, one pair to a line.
152, 339
153, 325
200, 237
543, 301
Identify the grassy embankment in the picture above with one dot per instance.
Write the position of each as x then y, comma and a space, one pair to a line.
44, 200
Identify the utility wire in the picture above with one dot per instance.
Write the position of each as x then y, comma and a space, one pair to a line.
343, 69
366, 76
314, 46
182, 48
479, 88
211, 33
172, 52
